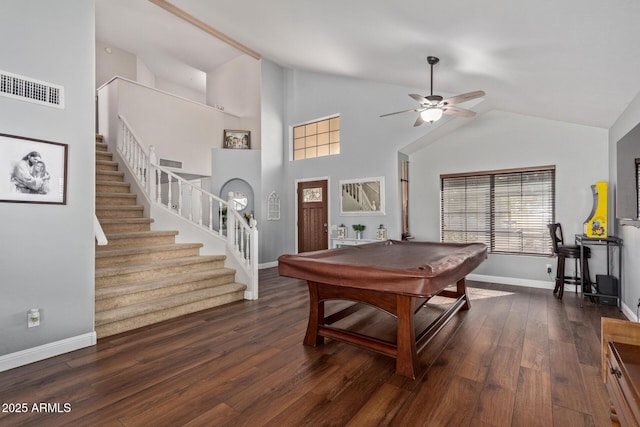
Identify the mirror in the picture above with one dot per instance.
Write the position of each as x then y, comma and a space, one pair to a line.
628, 150
362, 196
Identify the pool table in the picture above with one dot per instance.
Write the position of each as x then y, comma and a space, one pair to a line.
397, 277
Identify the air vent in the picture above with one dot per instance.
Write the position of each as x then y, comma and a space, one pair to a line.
171, 163
31, 90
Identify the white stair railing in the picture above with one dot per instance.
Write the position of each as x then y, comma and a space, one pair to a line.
201, 208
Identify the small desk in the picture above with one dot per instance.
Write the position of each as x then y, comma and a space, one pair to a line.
338, 243
610, 242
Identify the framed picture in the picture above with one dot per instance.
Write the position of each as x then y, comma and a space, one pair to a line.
237, 139
362, 196
33, 170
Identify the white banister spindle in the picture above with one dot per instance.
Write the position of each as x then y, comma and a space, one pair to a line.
158, 186
200, 212
169, 191
210, 213
241, 238
180, 199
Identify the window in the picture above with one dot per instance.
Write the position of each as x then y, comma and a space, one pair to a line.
316, 139
506, 210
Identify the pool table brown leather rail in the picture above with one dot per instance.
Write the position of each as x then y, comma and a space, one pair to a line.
394, 276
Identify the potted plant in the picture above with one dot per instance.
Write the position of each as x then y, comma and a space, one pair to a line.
358, 228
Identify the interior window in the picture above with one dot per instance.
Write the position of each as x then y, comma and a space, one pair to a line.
316, 139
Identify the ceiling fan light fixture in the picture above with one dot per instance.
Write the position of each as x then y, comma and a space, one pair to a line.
431, 114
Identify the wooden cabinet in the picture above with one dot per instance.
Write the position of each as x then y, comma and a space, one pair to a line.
621, 369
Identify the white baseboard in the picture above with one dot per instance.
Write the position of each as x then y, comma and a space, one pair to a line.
268, 265
512, 281
45, 351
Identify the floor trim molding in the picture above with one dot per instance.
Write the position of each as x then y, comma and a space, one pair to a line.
45, 351
542, 284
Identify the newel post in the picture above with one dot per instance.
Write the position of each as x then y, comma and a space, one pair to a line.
231, 222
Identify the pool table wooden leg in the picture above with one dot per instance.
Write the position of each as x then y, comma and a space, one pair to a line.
462, 290
316, 317
407, 354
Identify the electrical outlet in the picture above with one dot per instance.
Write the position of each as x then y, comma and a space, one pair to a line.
33, 317
549, 267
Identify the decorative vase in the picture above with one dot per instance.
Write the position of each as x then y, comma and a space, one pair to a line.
358, 235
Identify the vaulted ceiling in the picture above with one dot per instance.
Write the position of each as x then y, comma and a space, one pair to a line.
569, 60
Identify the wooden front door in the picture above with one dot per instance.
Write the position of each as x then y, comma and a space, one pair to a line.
312, 216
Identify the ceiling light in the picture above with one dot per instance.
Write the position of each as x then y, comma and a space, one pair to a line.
431, 114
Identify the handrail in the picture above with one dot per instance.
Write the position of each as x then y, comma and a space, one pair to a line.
101, 238
201, 208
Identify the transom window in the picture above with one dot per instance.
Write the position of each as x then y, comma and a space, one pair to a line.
507, 210
316, 139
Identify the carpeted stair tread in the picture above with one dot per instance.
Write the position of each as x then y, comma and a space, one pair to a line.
135, 310
112, 271
145, 249
164, 282
120, 207
154, 233
104, 221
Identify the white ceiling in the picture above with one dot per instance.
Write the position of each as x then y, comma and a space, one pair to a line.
570, 60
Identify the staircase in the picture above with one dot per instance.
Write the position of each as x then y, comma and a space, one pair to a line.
143, 276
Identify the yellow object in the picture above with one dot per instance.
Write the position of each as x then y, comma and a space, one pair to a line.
596, 225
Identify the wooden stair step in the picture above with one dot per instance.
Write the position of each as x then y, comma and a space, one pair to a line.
122, 274
118, 320
122, 211
104, 155
102, 175
123, 225
112, 187
132, 256
115, 198
139, 238
137, 292
106, 165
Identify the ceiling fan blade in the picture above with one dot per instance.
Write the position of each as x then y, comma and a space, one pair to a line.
458, 99
419, 121
421, 99
457, 111
399, 112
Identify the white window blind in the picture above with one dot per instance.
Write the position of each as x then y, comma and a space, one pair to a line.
506, 210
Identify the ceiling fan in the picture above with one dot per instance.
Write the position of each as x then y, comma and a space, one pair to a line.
432, 107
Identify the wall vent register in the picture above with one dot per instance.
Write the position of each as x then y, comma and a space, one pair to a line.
31, 90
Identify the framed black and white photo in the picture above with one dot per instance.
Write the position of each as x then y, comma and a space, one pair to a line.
237, 139
33, 170
362, 196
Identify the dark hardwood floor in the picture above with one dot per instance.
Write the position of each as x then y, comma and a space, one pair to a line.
519, 357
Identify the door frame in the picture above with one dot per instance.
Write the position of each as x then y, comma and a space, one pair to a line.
295, 192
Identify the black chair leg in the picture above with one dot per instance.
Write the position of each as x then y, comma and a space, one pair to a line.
560, 283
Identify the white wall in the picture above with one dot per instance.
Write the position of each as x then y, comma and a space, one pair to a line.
47, 251
501, 140
235, 86
117, 63
272, 240
180, 129
368, 148
630, 235
179, 90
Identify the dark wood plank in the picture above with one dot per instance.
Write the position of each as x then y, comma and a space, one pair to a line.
518, 357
